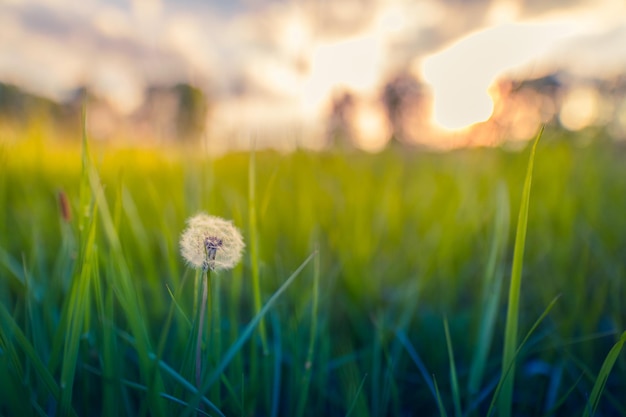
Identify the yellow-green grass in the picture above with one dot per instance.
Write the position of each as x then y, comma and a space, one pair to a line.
410, 257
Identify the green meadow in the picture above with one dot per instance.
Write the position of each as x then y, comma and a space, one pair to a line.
404, 283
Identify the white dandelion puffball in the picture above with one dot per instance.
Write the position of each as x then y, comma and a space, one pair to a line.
210, 242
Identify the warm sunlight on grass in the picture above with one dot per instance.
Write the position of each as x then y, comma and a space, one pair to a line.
371, 284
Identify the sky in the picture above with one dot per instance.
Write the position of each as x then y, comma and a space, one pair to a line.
269, 63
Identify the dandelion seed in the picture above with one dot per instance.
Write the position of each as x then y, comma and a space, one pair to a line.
211, 243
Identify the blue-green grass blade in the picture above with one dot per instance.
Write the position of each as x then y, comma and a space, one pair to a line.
505, 401
308, 364
456, 394
418, 361
140, 387
10, 329
168, 370
440, 406
245, 335
13, 266
603, 376
557, 403
505, 372
356, 396
376, 366
615, 400
278, 359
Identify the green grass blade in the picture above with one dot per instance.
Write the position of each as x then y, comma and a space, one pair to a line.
245, 335
505, 372
603, 376
78, 303
168, 370
254, 246
10, 328
356, 396
143, 388
13, 266
440, 406
278, 359
456, 394
178, 307
505, 402
492, 285
308, 364
417, 360
120, 280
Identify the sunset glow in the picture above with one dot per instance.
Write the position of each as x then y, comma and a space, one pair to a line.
461, 75
282, 64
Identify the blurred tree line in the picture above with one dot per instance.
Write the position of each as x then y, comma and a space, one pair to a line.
169, 113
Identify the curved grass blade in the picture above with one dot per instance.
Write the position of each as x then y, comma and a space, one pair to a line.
456, 395
603, 376
143, 388
171, 372
492, 285
356, 396
308, 364
418, 361
245, 335
9, 325
505, 372
440, 406
78, 305
512, 317
278, 353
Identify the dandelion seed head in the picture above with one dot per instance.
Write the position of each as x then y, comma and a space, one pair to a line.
210, 242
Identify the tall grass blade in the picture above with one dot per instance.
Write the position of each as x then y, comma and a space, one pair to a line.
254, 245
171, 372
417, 360
440, 406
278, 359
492, 285
603, 376
356, 396
456, 394
143, 388
121, 281
13, 266
496, 395
180, 310
308, 364
245, 335
505, 402
9, 328
78, 304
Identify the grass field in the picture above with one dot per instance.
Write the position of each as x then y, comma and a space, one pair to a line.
385, 280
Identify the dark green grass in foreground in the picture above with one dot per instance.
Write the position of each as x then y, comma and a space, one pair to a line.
401, 310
